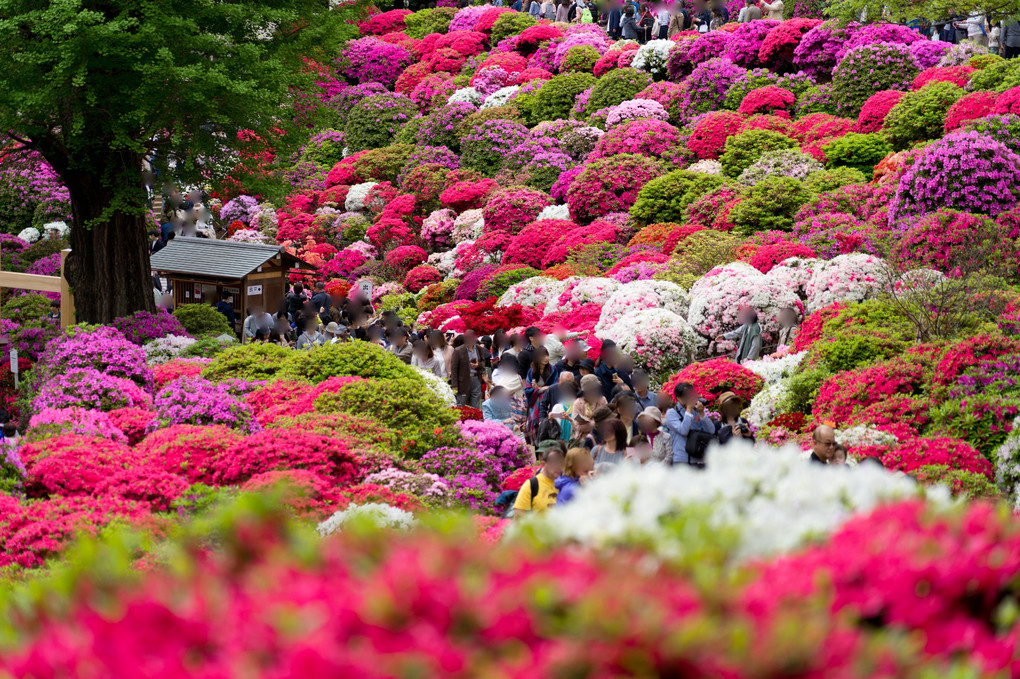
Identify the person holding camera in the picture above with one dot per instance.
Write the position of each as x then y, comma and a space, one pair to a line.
732, 426
685, 420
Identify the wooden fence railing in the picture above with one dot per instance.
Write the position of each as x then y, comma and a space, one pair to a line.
37, 283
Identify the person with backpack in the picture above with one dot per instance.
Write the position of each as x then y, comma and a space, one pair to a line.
689, 428
540, 493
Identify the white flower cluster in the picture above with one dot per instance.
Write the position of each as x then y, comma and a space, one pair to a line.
468, 226
706, 167
1007, 465
595, 290
29, 235
769, 500
468, 95
765, 405
864, 435
247, 236
638, 295
635, 109
717, 296
794, 274
382, 515
660, 341
164, 349
845, 278
775, 367
500, 97
554, 212
535, 291
652, 56
61, 228
438, 386
356, 196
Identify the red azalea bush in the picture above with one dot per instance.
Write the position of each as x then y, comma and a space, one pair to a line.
531, 244
486, 318
1008, 102
509, 209
422, 276
406, 257
133, 422
811, 329
148, 485
371, 493
908, 414
280, 450
909, 456
970, 107
609, 185
718, 375
529, 39
767, 100
769, 256
848, 392
774, 123
570, 241
305, 494
70, 464
781, 41
955, 243
166, 373
971, 352
875, 109
958, 75
709, 135
468, 195
384, 22
187, 449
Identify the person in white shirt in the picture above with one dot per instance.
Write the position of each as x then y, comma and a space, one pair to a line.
774, 10
662, 19
976, 30
258, 320
423, 357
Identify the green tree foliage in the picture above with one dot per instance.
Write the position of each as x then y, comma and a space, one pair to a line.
96, 86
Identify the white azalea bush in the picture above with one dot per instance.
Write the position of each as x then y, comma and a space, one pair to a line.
1007, 465
372, 514
586, 291
794, 274
164, 349
864, 435
775, 367
637, 295
500, 97
846, 278
660, 341
439, 387
535, 291
764, 502
652, 57
355, 201
554, 212
29, 235
468, 95
766, 404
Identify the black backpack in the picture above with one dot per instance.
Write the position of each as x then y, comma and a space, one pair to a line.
508, 513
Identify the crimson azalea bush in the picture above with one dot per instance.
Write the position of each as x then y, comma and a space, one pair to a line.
714, 377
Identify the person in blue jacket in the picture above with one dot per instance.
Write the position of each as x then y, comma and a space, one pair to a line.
688, 415
577, 471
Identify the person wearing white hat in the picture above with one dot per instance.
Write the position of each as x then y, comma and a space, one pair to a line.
332, 330
650, 423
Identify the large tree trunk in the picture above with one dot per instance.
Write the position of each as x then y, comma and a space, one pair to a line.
108, 268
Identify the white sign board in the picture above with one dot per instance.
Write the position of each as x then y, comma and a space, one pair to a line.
366, 288
254, 290
14, 361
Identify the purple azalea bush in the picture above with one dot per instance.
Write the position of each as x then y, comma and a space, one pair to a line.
89, 389
100, 348
141, 326
199, 401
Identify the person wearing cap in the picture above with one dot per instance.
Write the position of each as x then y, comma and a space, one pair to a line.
608, 373
732, 425
330, 332
748, 336
585, 367
588, 401
645, 396
571, 361
650, 423
688, 415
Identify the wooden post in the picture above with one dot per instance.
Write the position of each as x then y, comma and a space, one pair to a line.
66, 296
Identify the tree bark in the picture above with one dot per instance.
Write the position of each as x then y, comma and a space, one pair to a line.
108, 268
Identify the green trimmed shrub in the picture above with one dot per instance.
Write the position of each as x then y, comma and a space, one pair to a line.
697, 255
771, 205
346, 359
327, 152
469, 123
28, 309
666, 199
430, 20
383, 164
501, 282
556, 97
207, 347
742, 150
202, 319
852, 349
42, 248
978, 419
962, 483
998, 77
374, 121
616, 87
802, 389
861, 152
250, 362
510, 23
888, 67
421, 419
920, 116
823, 181
580, 59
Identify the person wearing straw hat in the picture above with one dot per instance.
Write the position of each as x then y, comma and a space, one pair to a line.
732, 426
650, 423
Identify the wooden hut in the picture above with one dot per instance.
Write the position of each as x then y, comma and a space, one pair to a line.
199, 270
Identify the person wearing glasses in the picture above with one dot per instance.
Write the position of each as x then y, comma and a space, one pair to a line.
823, 444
